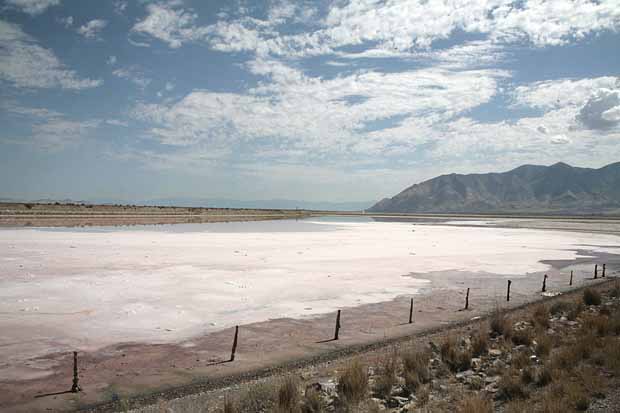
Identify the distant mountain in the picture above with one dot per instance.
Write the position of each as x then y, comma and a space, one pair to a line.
559, 188
259, 204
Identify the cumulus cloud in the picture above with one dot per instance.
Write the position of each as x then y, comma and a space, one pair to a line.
601, 110
23, 63
559, 93
91, 29
32, 7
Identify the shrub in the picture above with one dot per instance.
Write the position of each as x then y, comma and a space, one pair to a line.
259, 397
353, 384
415, 368
560, 307
521, 360
312, 401
543, 345
544, 376
540, 317
500, 324
480, 342
474, 404
597, 324
423, 395
230, 406
575, 311
457, 359
522, 337
615, 291
591, 297
288, 395
527, 375
386, 378
510, 387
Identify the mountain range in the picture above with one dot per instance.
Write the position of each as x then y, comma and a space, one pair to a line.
558, 189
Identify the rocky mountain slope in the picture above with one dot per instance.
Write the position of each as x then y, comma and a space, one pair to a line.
559, 188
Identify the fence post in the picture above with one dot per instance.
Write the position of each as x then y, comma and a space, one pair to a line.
467, 300
604, 265
508, 291
570, 283
76, 386
234, 346
595, 271
544, 287
337, 326
411, 312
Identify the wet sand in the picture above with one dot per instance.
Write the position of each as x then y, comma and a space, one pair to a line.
129, 368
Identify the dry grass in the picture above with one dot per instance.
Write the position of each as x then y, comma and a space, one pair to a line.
544, 376
288, 395
598, 324
352, 385
457, 359
543, 344
415, 368
312, 401
230, 406
474, 404
560, 307
259, 397
480, 341
521, 360
591, 297
540, 317
386, 377
522, 337
500, 324
423, 395
575, 311
510, 386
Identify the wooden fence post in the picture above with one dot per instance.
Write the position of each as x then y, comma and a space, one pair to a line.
76, 386
411, 312
467, 300
508, 291
570, 283
337, 326
604, 265
234, 346
595, 271
544, 287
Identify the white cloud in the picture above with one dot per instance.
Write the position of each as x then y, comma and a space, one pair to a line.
116, 122
601, 111
559, 139
91, 29
32, 7
134, 75
170, 25
111, 60
23, 63
559, 93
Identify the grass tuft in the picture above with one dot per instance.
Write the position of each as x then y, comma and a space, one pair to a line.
591, 297
474, 404
386, 377
353, 384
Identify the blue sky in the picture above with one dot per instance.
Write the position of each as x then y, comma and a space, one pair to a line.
311, 100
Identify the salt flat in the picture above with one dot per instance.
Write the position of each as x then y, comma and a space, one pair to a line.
87, 289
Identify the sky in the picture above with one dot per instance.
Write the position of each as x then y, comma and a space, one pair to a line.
325, 100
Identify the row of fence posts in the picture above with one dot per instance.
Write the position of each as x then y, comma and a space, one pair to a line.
76, 386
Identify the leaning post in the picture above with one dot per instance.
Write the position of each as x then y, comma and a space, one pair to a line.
570, 283
234, 346
467, 300
604, 265
508, 291
544, 287
411, 312
595, 271
337, 326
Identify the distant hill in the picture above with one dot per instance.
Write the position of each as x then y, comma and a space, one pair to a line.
260, 204
559, 188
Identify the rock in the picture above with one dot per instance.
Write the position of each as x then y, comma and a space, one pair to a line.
498, 364
491, 388
397, 402
464, 374
491, 379
495, 352
476, 363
